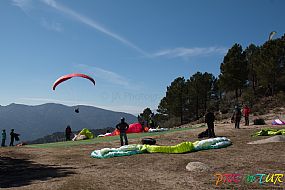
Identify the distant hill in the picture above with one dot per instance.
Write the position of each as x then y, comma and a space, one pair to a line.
33, 122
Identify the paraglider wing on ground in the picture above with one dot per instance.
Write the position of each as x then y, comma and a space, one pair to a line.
133, 128
184, 147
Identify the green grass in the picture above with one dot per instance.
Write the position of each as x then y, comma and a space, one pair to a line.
107, 139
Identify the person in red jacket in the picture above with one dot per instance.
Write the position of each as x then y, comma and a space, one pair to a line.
246, 112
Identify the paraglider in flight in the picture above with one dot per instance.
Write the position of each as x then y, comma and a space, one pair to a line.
69, 76
272, 34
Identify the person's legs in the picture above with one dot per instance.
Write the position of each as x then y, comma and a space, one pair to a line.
121, 139
126, 139
211, 130
246, 121
3, 142
237, 124
12, 142
238, 121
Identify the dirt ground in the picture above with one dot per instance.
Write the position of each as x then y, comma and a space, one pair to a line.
73, 168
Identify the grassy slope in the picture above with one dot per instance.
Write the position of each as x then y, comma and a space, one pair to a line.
107, 139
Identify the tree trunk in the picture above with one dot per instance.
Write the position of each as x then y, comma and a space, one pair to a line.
205, 103
197, 107
236, 91
181, 107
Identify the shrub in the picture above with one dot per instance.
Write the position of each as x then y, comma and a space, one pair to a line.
259, 121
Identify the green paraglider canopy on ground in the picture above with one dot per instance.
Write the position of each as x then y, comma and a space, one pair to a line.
184, 147
269, 132
87, 133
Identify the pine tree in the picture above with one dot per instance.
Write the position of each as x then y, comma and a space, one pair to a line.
234, 70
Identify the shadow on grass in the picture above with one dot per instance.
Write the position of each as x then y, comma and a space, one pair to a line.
21, 172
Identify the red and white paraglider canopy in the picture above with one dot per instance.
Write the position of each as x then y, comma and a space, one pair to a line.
69, 76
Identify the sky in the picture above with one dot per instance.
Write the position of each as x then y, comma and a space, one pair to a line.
133, 49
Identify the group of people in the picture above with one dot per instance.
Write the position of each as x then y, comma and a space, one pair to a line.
13, 136
236, 118
209, 120
237, 114
123, 126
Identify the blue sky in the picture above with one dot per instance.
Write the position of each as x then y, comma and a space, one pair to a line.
133, 49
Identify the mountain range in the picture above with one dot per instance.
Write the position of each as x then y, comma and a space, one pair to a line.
33, 122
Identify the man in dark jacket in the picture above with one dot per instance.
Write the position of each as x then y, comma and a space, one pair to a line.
68, 133
12, 135
236, 116
123, 127
209, 119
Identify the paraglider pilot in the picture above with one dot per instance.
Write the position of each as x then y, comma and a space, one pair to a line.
236, 117
209, 119
68, 133
3, 137
12, 135
123, 127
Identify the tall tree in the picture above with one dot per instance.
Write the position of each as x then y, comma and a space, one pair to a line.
146, 114
163, 108
252, 56
271, 65
234, 70
199, 92
174, 102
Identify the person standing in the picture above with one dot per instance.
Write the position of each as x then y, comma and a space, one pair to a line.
68, 133
209, 119
246, 112
3, 137
123, 127
12, 137
236, 116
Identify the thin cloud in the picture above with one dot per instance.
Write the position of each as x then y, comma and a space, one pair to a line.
190, 52
24, 5
55, 26
85, 20
27, 6
106, 75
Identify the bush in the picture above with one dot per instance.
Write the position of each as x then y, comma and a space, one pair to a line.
259, 121
248, 97
170, 123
